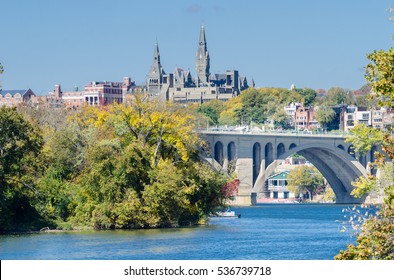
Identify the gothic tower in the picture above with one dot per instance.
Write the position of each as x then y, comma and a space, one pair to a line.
155, 75
202, 60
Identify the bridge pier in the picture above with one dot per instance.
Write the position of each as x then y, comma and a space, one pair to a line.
244, 169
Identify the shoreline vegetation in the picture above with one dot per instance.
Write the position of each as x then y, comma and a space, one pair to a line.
114, 167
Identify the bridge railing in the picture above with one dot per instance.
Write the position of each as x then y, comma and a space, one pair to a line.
258, 131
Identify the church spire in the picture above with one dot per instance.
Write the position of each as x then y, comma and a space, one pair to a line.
202, 37
202, 60
156, 56
156, 72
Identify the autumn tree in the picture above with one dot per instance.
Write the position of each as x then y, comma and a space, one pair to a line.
140, 168
375, 239
304, 179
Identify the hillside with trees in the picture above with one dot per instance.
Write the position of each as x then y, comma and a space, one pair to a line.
120, 166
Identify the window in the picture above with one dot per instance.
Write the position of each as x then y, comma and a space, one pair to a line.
365, 116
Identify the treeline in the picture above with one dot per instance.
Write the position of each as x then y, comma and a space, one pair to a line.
261, 105
120, 166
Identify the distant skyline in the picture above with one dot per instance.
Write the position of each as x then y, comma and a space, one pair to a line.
315, 44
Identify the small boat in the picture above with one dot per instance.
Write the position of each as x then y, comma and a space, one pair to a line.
227, 213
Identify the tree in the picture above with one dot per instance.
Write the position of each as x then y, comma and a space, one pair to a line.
304, 178
20, 146
280, 118
375, 239
212, 110
325, 115
229, 114
380, 74
308, 96
253, 107
337, 95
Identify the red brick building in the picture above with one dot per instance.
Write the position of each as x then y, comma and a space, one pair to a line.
12, 98
305, 118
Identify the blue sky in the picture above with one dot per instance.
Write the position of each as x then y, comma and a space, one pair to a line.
316, 44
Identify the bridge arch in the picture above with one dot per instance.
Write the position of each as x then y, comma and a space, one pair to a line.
256, 161
337, 166
231, 151
351, 151
218, 152
280, 150
268, 154
292, 146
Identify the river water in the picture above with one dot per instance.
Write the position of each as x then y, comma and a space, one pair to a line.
275, 231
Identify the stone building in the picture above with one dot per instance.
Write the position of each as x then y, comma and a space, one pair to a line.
180, 86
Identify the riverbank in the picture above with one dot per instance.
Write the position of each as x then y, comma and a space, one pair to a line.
290, 200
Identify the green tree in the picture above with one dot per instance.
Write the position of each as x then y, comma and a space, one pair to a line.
325, 115
337, 95
20, 146
280, 118
253, 107
380, 74
212, 110
308, 96
375, 239
364, 138
304, 178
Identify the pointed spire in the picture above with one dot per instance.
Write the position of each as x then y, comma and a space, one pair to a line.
202, 35
157, 53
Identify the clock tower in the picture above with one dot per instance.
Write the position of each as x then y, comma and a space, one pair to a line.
202, 60
155, 75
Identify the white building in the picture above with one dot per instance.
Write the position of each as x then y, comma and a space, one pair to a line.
277, 185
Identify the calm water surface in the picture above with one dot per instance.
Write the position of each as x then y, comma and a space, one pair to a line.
280, 232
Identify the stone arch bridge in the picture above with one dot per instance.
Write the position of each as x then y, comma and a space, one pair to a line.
256, 155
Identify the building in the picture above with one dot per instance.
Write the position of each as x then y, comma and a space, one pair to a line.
382, 118
277, 186
377, 118
103, 93
95, 93
291, 111
70, 99
73, 99
11, 98
305, 118
180, 86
